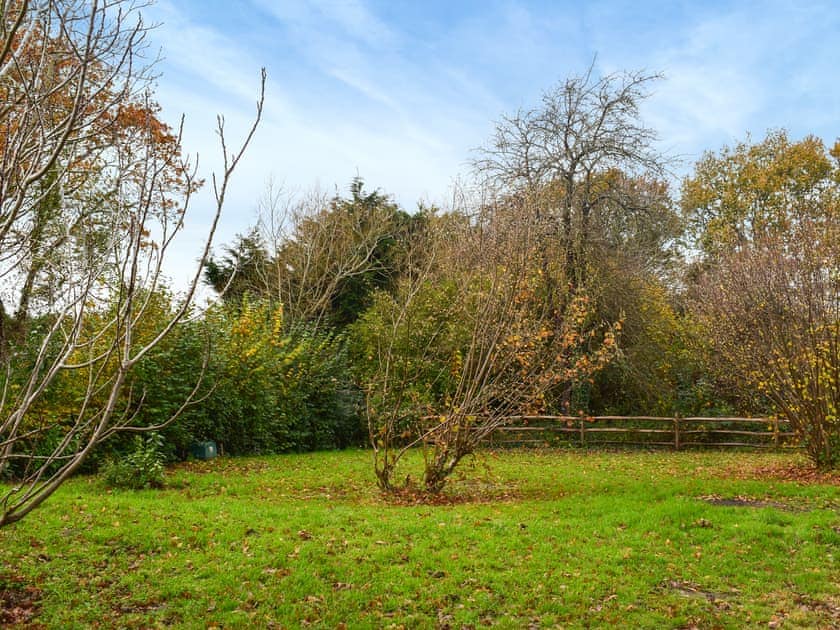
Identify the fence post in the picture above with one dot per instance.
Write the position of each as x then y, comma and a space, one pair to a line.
582, 434
776, 432
676, 432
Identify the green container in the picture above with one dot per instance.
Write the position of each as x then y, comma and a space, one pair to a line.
204, 450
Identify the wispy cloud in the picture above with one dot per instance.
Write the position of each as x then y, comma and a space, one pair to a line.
204, 59
358, 21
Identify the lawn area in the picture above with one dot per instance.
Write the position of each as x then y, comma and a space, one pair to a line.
526, 539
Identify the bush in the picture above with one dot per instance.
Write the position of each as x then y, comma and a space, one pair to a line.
271, 388
142, 468
266, 387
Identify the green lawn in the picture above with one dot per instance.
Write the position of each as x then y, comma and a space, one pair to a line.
549, 539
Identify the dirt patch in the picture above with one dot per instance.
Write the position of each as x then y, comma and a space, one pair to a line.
19, 602
464, 494
139, 607
801, 472
242, 465
803, 611
695, 591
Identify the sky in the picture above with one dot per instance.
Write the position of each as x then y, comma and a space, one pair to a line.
401, 92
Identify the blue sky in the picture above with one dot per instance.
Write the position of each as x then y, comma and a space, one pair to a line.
401, 91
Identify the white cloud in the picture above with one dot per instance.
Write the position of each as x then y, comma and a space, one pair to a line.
740, 71
208, 61
355, 19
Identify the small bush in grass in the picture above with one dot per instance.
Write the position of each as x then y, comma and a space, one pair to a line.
142, 468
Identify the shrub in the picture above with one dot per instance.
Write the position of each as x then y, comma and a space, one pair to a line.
142, 468
270, 387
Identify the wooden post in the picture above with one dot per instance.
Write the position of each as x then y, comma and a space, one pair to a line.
776, 432
676, 433
582, 434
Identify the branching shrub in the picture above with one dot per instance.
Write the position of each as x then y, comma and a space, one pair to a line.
482, 331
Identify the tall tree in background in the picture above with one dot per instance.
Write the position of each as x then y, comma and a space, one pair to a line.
245, 269
321, 257
606, 208
93, 191
585, 129
759, 190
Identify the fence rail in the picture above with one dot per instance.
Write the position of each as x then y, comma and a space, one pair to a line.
653, 431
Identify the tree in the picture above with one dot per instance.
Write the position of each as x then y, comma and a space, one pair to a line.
772, 312
321, 257
759, 190
93, 191
606, 207
585, 129
469, 339
768, 218
244, 270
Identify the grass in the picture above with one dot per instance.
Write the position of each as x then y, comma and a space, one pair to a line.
526, 539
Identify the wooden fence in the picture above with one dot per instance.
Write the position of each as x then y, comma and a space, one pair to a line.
646, 431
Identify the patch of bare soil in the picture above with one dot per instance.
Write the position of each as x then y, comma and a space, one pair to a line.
462, 494
222, 464
801, 472
787, 504
19, 602
803, 611
695, 591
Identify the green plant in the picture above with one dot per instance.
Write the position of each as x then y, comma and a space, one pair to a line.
142, 468
271, 386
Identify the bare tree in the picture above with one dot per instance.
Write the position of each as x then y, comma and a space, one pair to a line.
766, 219
584, 128
319, 245
93, 191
